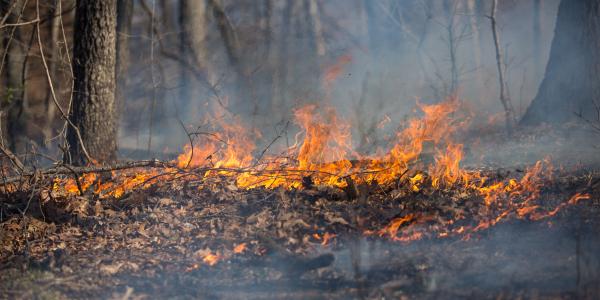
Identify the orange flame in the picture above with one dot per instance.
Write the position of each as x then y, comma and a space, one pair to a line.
323, 155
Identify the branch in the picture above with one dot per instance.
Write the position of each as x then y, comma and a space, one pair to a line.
13, 158
69, 170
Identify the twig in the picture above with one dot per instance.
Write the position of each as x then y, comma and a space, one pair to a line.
37, 20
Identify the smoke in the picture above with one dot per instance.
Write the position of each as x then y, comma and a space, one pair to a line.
396, 52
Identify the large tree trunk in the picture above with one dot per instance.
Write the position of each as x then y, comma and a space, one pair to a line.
572, 78
94, 58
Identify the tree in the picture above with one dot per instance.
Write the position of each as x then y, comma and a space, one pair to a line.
13, 97
124, 16
54, 63
93, 109
571, 83
193, 18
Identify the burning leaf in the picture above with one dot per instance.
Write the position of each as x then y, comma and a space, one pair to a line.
239, 248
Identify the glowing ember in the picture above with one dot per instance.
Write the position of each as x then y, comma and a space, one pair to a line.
211, 259
239, 248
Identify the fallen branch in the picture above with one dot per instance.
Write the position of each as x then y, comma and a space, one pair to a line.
68, 170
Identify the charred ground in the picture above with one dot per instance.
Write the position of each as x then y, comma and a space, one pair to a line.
191, 239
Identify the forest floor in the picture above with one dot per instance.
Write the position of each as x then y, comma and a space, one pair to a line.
182, 241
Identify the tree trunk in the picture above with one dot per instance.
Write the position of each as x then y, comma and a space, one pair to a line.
572, 79
53, 66
537, 37
317, 27
193, 48
124, 15
194, 32
94, 111
280, 60
509, 112
14, 84
474, 23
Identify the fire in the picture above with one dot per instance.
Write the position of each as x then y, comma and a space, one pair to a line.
211, 259
325, 239
239, 248
424, 150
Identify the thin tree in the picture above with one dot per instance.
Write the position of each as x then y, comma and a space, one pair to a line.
94, 109
504, 99
54, 62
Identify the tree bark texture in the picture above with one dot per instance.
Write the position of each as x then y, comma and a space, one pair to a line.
571, 83
93, 108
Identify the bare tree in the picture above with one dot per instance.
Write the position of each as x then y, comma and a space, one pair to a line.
506, 103
94, 110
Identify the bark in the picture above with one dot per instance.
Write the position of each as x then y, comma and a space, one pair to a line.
570, 86
94, 57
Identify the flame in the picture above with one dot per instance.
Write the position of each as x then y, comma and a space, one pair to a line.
323, 154
327, 237
239, 248
211, 259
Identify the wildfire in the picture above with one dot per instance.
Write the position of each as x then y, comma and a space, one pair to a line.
323, 155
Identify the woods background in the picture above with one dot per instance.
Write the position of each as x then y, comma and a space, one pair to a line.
257, 60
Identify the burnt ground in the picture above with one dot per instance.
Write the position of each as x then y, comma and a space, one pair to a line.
157, 243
